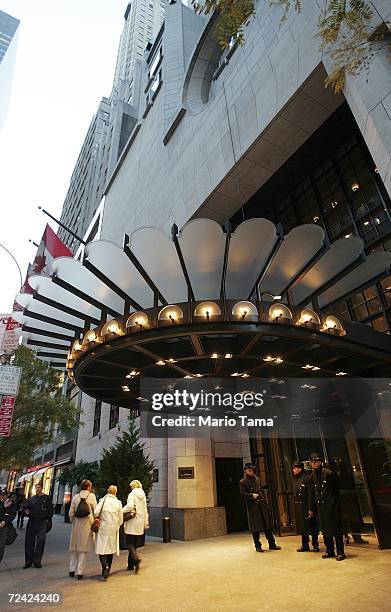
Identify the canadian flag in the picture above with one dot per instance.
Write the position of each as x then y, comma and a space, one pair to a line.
49, 249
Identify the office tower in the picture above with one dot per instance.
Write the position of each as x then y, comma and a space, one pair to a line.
8, 39
143, 19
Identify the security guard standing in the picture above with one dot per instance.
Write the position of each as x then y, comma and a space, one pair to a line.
258, 510
305, 524
324, 500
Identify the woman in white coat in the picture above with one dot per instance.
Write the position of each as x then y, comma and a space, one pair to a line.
109, 509
82, 538
135, 527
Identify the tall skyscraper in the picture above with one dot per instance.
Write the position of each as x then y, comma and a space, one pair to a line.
113, 122
143, 19
8, 38
8, 27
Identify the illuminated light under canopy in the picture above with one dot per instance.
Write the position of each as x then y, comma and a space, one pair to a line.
171, 313
132, 373
244, 310
308, 318
137, 319
112, 327
207, 310
332, 325
90, 336
279, 313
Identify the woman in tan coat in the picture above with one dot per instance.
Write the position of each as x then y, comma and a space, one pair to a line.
82, 538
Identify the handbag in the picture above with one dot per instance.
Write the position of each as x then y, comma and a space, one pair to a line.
96, 524
130, 514
11, 535
49, 525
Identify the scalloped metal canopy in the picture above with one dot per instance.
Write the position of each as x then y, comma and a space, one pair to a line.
201, 263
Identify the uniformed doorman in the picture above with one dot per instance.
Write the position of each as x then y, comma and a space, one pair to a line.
325, 502
306, 525
258, 510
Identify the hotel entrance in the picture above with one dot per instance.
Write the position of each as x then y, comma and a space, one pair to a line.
364, 496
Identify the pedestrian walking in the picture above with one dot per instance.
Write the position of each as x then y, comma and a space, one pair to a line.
325, 502
39, 509
81, 515
20, 501
306, 525
258, 509
109, 512
136, 521
7, 515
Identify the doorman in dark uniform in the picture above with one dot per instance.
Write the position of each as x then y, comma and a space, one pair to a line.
325, 502
39, 509
306, 525
258, 510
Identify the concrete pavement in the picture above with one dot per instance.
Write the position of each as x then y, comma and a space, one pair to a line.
223, 574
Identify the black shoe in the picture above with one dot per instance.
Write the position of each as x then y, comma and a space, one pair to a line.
27, 565
360, 540
303, 549
259, 549
80, 576
340, 557
315, 548
328, 555
274, 547
130, 568
38, 565
105, 573
137, 566
71, 574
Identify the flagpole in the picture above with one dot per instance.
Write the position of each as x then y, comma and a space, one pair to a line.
9, 253
62, 225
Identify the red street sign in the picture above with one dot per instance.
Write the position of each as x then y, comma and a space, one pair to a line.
6, 413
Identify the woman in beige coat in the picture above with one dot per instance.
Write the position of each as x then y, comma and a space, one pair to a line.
109, 510
82, 538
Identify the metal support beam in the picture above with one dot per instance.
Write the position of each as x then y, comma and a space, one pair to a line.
223, 295
75, 313
174, 236
44, 332
141, 270
262, 274
51, 321
107, 281
84, 296
306, 268
51, 345
62, 225
332, 281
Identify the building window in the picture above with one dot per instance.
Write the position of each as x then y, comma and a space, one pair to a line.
114, 416
97, 415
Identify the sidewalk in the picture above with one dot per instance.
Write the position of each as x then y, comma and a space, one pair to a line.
223, 574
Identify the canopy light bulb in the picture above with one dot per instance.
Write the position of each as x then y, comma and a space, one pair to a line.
228, 356
214, 356
278, 360
160, 362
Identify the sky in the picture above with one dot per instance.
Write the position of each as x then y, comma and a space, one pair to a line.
65, 61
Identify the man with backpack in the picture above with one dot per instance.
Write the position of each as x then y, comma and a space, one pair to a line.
81, 515
39, 509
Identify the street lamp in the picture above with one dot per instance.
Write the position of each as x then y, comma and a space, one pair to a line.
10, 254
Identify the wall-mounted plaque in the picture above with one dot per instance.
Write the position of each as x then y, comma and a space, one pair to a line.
155, 475
185, 472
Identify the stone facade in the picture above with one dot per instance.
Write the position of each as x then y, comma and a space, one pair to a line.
216, 129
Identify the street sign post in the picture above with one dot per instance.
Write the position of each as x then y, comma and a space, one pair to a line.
9, 386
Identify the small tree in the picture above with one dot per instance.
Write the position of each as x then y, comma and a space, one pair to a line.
126, 461
344, 29
73, 475
39, 407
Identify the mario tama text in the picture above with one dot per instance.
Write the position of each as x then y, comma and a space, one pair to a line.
171, 425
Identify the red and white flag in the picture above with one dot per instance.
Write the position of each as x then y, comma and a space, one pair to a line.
49, 249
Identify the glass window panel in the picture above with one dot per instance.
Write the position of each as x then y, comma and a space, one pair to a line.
357, 299
374, 305
360, 312
380, 324
370, 292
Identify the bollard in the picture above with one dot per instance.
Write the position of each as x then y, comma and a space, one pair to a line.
166, 529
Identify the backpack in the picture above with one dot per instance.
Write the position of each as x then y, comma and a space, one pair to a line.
83, 509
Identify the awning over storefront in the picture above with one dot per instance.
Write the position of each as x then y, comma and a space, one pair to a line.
205, 302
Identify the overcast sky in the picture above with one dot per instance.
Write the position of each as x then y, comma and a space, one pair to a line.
65, 63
